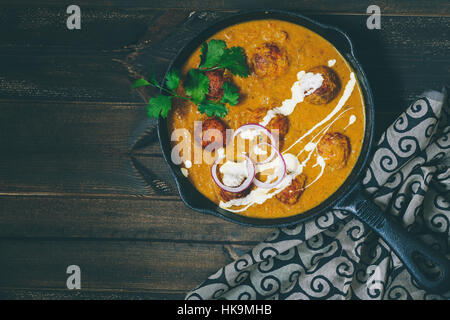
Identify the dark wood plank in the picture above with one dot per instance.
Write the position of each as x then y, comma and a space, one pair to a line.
110, 265
47, 74
152, 218
75, 148
42, 294
77, 128
102, 28
81, 174
411, 7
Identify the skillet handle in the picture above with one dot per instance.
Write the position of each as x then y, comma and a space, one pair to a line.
407, 248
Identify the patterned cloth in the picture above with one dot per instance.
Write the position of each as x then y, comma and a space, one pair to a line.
336, 256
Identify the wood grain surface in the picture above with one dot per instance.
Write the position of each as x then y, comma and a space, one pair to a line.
71, 174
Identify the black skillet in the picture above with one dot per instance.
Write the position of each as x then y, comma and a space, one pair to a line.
350, 196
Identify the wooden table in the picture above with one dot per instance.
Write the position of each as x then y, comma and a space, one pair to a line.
70, 192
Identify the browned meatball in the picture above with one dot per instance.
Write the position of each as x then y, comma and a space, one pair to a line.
279, 122
292, 193
227, 196
216, 80
330, 86
218, 136
270, 60
335, 148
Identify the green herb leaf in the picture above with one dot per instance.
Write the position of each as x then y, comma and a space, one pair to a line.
140, 83
212, 52
172, 79
144, 83
212, 108
153, 78
230, 94
159, 105
196, 85
235, 61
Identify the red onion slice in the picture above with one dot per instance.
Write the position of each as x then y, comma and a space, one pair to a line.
258, 127
280, 172
244, 185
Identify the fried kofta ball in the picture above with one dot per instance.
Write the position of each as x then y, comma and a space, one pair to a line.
330, 86
213, 130
227, 196
292, 193
269, 61
279, 127
216, 80
280, 123
335, 148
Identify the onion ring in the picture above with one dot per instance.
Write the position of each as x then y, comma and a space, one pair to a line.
244, 185
258, 127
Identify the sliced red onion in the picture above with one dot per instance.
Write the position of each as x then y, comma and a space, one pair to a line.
244, 185
258, 127
281, 172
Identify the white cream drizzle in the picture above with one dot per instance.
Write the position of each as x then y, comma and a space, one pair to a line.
351, 121
259, 151
188, 164
331, 62
347, 92
319, 162
293, 166
307, 83
185, 172
233, 173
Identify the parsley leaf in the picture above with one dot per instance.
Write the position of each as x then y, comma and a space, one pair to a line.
235, 61
196, 85
212, 52
140, 83
230, 94
212, 108
159, 105
172, 79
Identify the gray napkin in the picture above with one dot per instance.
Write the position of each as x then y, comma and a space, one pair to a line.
336, 256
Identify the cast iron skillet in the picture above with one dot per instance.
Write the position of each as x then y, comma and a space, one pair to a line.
349, 196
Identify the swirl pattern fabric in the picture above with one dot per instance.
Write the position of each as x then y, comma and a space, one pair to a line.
335, 256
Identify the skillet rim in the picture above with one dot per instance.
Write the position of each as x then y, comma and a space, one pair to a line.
193, 199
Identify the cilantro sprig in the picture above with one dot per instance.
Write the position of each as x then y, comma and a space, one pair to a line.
196, 85
230, 94
214, 55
